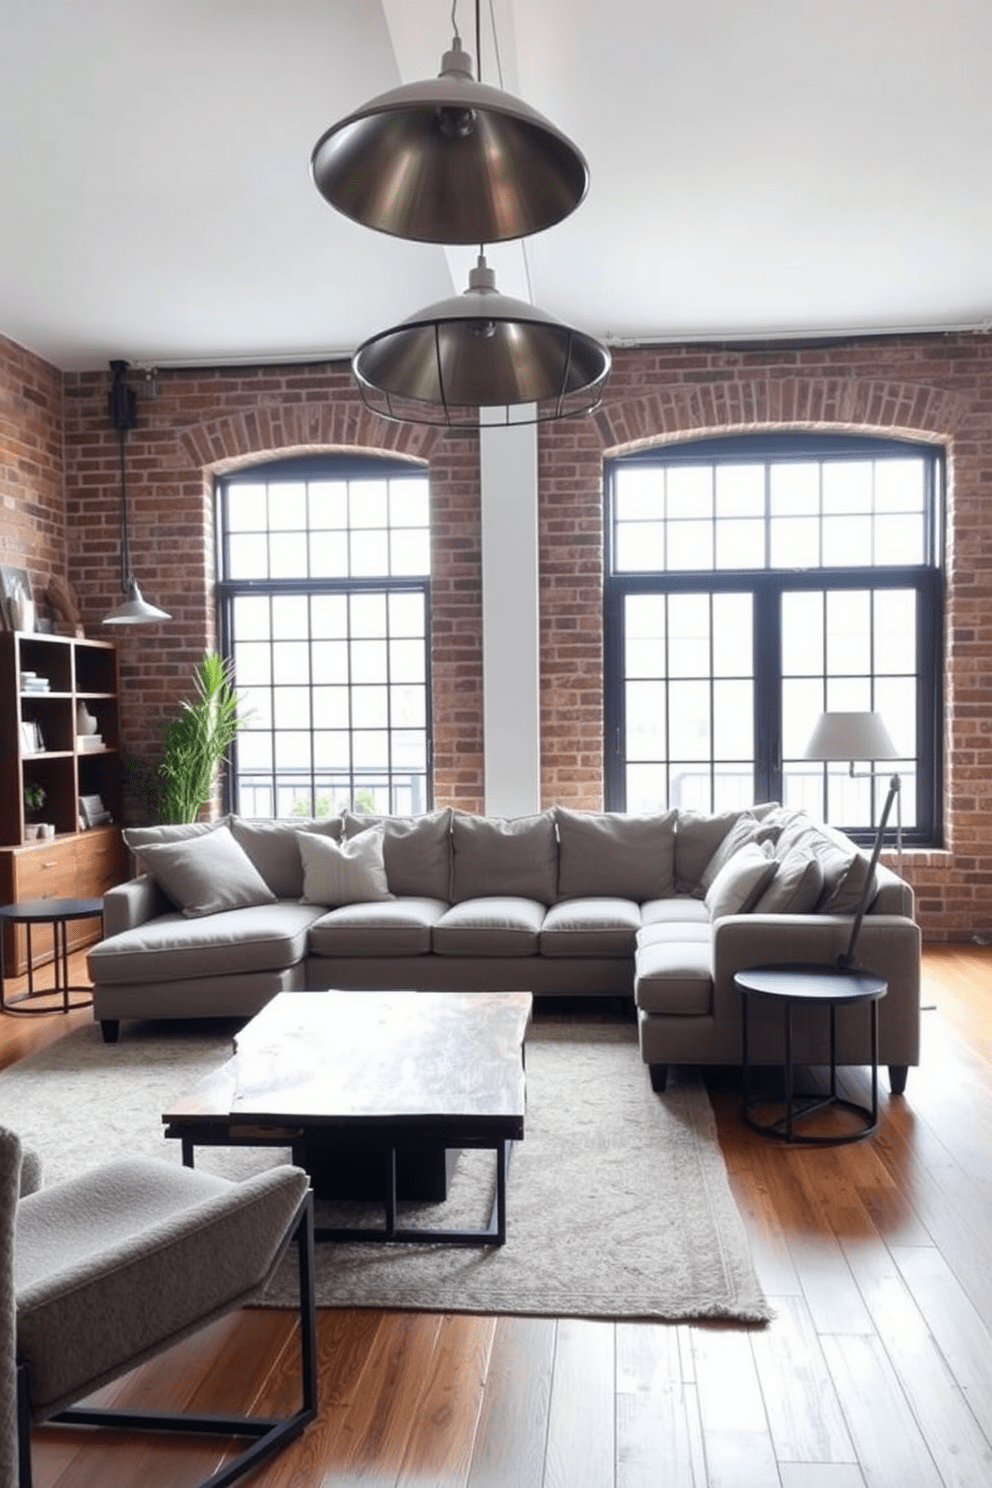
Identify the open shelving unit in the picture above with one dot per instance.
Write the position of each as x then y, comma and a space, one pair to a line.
44, 680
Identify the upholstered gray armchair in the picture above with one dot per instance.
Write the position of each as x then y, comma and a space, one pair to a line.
107, 1269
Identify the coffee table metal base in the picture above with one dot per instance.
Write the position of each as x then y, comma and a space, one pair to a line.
313, 1154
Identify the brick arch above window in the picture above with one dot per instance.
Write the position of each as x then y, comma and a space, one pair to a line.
732, 401
268, 430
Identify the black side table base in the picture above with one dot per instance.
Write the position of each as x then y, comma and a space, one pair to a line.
792, 986
66, 1004
803, 1105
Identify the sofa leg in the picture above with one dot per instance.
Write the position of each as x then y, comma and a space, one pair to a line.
659, 1077
897, 1078
110, 1028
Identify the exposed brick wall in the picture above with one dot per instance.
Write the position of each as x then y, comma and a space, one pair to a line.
201, 423
925, 388
32, 526
936, 388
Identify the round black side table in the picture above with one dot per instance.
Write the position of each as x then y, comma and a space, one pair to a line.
829, 987
57, 913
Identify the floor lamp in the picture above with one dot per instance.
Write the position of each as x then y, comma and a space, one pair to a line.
858, 736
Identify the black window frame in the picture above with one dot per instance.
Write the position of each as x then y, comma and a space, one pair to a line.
331, 466
767, 585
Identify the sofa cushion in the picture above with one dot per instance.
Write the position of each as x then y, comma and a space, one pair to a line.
417, 850
740, 882
206, 873
607, 854
394, 927
682, 910
697, 837
591, 927
349, 872
747, 828
796, 887
173, 948
494, 925
515, 857
273, 846
845, 871
673, 970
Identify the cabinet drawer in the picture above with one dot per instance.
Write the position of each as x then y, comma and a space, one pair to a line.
46, 872
101, 861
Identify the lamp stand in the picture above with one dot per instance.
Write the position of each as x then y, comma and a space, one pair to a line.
845, 961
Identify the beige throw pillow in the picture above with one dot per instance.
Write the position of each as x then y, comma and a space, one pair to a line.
349, 872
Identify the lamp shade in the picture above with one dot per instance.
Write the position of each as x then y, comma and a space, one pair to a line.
850, 736
449, 160
134, 609
480, 349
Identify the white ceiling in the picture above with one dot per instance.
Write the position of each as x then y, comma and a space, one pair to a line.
778, 168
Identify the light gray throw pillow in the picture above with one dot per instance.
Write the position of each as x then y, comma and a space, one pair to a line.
740, 882
796, 887
206, 873
349, 872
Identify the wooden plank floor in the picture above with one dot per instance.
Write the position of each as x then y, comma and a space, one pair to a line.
877, 1369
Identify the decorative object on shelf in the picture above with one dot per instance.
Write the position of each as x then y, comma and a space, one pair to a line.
16, 599
31, 737
134, 610
196, 744
450, 160
859, 736
92, 812
85, 721
35, 797
61, 596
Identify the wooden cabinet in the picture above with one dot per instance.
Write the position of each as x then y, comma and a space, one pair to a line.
49, 685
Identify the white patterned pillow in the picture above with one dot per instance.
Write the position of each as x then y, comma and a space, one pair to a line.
349, 872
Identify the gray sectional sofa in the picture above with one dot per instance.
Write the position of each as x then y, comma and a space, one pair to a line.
662, 909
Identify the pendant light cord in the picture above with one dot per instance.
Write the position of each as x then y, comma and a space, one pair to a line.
125, 543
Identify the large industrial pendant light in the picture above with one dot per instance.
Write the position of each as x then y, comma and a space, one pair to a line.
134, 609
480, 349
450, 160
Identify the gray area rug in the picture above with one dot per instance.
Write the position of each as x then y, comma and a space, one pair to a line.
618, 1200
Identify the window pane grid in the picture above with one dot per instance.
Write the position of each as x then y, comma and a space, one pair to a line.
769, 515
325, 615
844, 592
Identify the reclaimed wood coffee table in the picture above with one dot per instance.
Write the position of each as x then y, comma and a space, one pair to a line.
372, 1085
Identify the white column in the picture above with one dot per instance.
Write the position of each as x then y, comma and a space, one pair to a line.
510, 620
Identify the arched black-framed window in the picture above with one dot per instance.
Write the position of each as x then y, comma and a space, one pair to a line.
324, 609
753, 583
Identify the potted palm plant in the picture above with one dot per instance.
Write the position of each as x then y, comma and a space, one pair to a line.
196, 743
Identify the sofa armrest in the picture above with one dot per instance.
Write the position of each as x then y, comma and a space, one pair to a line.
888, 945
130, 904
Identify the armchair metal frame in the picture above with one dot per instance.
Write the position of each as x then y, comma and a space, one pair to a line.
268, 1433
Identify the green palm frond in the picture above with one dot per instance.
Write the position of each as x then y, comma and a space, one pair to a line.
197, 741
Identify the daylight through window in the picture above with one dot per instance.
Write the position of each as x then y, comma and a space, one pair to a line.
752, 585
325, 611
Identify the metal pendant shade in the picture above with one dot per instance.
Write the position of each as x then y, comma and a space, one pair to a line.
135, 609
450, 160
480, 349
